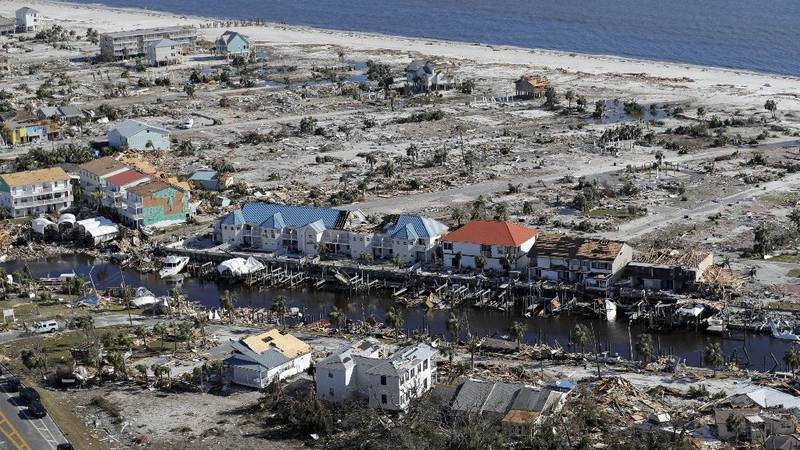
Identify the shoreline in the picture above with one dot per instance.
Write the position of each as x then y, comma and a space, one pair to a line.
374, 37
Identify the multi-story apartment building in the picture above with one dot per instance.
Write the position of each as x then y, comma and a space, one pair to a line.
156, 203
125, 44
95, 173
35, 192
301, 230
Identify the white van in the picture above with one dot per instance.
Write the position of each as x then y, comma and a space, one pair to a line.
48, 326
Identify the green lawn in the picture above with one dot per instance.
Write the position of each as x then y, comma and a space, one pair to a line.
795, 259
787, 199
794, 273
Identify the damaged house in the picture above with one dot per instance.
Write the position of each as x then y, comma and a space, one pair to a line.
513, 407
502, 245
423, 76
668, 270
387, 383
594, 264
764, 413
259, 359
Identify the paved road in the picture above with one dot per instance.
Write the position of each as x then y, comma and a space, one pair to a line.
20, 431
648, 223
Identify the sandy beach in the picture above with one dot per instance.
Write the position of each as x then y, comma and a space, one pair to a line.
713, 85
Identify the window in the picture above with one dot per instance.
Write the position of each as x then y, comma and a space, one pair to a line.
425, 364
383, 398
330, 391
330, 374
447, 246
383, 381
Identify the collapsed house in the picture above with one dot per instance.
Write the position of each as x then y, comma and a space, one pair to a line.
761, 412
668, 270
530, 86
259, 359
594, 264
514, 407
390, 383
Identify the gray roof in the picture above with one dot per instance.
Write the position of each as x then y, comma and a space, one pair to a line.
141, 31
130, 128
49, 111
70, 111
269, 359
402, 360
474, 396
340, 359
164, 43
27, 9
229, 35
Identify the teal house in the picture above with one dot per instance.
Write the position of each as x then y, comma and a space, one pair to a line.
232, 44
156, 203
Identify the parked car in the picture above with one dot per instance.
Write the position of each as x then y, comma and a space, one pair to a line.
47, 326
29, 395
36, 410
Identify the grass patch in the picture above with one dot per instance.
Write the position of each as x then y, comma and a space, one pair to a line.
622, 213
786, 199
795, 259
784, 306
794, 273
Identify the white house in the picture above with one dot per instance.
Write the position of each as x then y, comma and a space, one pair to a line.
259, 359
28, 19
164, 51
309, 231
503, 245
35, 192
136, 135
387, 383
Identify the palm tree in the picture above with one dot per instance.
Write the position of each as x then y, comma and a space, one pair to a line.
478, 208
518, 332
712, 355
735, 425
280, 309
228, 302
161, 331
570, 96
581, 336
458, 216
142, 369
395, 320
792, 358
644, 347
454, 326
501, 211
412, 152
337, 317
473, 345
117, 361
371, 160
141, 333
199, 322
480, 262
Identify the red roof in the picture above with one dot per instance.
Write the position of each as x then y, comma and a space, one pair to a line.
126, 178
492, 232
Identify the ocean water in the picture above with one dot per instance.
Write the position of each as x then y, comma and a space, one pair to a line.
740, 34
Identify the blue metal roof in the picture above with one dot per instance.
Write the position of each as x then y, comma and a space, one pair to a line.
405, 233
264, 214
422, 226
203, 175
275, 221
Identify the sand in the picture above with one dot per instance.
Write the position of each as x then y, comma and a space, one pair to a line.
713, 86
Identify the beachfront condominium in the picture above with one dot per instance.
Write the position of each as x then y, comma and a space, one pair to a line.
126, 44
35, 192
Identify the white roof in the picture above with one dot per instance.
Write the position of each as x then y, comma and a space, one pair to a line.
131, 127
40, 224
240, 266
766, 397
99, 226
164, 43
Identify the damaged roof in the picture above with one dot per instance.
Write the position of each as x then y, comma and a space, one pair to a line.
573, 247
682, 258
34, 176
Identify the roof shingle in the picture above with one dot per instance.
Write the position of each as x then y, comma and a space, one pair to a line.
492, 232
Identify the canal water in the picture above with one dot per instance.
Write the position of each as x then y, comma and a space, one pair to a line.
315, 304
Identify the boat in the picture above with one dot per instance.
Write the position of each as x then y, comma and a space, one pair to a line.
611, 310
62, 278
173, 265
715, 325
782, 331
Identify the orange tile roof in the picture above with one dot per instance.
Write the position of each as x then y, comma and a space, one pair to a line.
492, 232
